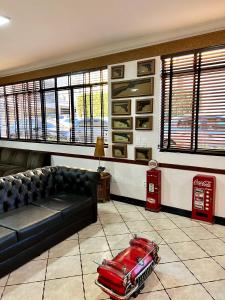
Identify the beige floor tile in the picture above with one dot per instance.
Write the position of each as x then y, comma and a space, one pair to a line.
152, 284
216, 289
110, 218
136, 226
117, 228
119, 241
217, 230
220, 260
44, 255
63, 267
92, 245
158, 295
65, 248
107, 210
189, 292
198, 233
29, 291
30, 272
70, 288
88, 261
174, 236
174, 274
3, 280
166, 254
205, 269
132, 216
126, 208
188, 250
161, 224
1, 291
213, 247
223, 239
150, 215
91, 231
73, 237
185, 222
92, 291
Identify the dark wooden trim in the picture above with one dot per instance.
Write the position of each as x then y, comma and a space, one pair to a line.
135, 162
164, 208
200, 41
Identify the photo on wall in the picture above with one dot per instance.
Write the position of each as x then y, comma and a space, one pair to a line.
146, 67
143, 153
144, 106
117, 72
133, 88
119, 151
122, 107
122, 137
143, 123
122, 123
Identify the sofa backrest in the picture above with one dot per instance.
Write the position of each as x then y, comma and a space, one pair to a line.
28, 159
23, 188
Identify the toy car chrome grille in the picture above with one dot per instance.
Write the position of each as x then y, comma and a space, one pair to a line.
144, 275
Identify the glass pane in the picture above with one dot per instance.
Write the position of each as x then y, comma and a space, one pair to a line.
64, 115
3, 124
50, 119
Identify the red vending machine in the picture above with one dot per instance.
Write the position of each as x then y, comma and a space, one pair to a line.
203, 198
153, 187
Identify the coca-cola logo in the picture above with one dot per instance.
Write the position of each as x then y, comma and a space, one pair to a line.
202, 183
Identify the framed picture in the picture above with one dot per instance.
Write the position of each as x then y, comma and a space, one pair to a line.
120, 108
122, 137
144, 106
143, 154
119, 151
143, 123
117, 72
146, 67
122, 123
133, 88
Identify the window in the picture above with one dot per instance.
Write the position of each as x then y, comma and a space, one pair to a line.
65, 109
193, 102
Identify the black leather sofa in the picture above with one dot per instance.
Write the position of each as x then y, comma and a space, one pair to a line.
41, 207
18, 160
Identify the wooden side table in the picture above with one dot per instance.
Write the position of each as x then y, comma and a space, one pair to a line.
103, 192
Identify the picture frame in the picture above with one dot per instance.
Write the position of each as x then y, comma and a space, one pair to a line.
146, 67
143, 123
117, 72
119, 151
120, 108
124, 123
144, 106
132, 88
143, 154
123, 137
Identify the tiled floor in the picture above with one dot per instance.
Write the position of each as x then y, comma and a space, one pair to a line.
192, 263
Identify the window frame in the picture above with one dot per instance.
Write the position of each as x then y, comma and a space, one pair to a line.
56, 89
195, 114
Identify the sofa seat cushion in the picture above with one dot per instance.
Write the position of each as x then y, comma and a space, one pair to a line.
30, 220
7, 238
67, 204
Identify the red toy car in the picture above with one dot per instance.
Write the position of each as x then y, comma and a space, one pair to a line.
124, 276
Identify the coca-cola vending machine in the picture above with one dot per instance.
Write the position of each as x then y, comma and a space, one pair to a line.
203, 198
153, 187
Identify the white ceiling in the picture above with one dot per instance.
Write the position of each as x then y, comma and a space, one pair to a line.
50, 32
